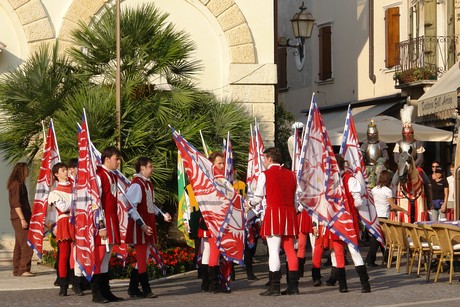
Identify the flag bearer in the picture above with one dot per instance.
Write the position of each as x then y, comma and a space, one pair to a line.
142, 229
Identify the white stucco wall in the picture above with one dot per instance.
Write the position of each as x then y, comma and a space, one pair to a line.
13, 36
350, 53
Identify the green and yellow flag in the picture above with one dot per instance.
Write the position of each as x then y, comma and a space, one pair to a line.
184, 202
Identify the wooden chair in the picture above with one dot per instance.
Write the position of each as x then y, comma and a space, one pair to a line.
400, 243
388, 241
418, 246
433, 242
449, 243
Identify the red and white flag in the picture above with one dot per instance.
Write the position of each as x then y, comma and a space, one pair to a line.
42, 219
352, 154
219, 202
87, 204
256, 160
320, 188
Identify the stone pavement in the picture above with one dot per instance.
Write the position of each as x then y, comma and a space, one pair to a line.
389, 288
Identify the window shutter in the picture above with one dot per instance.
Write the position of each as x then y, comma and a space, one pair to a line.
325, 53
281, 66
392, 37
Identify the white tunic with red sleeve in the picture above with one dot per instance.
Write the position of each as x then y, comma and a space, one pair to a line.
61, 199
141, 196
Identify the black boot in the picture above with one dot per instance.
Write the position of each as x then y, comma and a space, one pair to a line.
214, 286
77, 285
133, 289
364, 278
249, 268
316, 275
274, 288
342, 278
293, 284
333, 279
204, 269
144, 280
96, 289
105, 289
270, 277
301, 266
63, 286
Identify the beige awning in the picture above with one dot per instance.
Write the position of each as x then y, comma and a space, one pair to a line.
443, 95
390, 131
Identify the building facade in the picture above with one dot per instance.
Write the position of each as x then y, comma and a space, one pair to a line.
233, 38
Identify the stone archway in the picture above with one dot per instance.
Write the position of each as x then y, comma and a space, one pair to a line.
227, 13
35, 22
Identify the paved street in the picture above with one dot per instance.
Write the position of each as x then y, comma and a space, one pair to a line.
389, 288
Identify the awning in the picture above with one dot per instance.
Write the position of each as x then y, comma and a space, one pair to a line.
390, 131
442, 95
336, 119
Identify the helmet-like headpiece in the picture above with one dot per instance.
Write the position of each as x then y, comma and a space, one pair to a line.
406, 118
372, 133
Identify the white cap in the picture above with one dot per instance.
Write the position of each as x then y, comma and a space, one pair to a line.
297, 125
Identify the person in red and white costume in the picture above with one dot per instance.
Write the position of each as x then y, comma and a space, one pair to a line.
142, 230
353, 190
108, 225
61, 199
210, 256
279, 226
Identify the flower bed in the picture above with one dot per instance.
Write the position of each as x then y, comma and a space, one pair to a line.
176, 260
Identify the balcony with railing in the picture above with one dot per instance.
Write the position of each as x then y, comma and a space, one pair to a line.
424, 59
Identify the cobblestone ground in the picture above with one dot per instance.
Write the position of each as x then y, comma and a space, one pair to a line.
389, 288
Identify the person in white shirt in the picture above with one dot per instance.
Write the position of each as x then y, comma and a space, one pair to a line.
384, 203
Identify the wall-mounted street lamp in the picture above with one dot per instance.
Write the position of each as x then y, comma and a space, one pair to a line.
302, 26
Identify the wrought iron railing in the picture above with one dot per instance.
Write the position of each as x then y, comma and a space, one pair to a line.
425, 57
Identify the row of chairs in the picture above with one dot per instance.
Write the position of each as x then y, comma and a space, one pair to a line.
421, 241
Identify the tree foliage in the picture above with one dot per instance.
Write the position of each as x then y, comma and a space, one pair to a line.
157, 87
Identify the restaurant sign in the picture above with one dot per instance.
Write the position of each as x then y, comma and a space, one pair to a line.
438, 103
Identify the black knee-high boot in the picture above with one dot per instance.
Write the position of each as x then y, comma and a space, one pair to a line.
316, 275
133, 289
333, 278
301, 266
105, 289
63, 286
274, 288
342, 279
144, 280
293, 284
364, 278
204, 269
270, 277
96, 289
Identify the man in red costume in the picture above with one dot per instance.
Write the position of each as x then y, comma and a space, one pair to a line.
107, 224
279, 226
142, 230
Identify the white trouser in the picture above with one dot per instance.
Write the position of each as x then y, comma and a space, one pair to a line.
205, 251
274, 246
355, 256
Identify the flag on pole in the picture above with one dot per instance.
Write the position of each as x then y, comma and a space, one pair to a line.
219, 203
184, 201
320, 188
228, 153
256, 159
352, 154
43, 219
87, 204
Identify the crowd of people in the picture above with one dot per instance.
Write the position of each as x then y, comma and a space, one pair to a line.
281, 222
